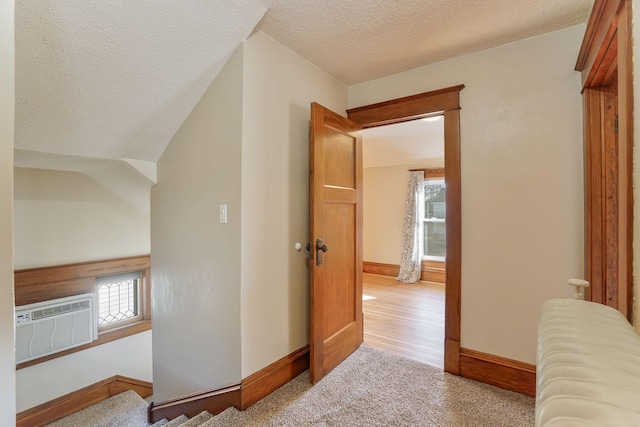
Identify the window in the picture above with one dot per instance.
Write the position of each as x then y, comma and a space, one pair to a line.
434, 226
119, 300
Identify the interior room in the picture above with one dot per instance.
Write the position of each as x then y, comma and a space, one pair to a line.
165, 166
407, 319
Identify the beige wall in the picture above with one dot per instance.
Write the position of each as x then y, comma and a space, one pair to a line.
65, 217
384, 195
7, 115
279, 87
522, 181
195, 263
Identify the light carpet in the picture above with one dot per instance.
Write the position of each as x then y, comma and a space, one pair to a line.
370, 388
375, 388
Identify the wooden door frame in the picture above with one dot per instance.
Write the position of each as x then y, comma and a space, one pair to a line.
446, 101
605, 61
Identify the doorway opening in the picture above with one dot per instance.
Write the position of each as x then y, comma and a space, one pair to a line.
446, 102
404, 318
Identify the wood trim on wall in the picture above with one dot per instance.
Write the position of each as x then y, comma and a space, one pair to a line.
432, 271
214, 401
409, 108
499, 371
73, 402
605, 61
253, 388
600, 34
46, 283
430, 173
274, 376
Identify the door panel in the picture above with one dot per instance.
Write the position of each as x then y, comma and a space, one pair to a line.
335, 199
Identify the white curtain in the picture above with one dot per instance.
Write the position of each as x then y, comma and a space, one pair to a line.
411, 261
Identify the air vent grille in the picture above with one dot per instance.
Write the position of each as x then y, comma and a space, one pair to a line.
60, 309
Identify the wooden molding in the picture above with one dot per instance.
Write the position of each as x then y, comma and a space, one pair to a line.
73, 402
605, 61
214, 401
252, 389
46, 283
409, 108
600, 34
274, 376
499, 371
432, 271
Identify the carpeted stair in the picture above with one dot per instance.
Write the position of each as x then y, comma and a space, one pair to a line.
126, 409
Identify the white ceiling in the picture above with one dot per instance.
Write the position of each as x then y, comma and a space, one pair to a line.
115, 79
418, 143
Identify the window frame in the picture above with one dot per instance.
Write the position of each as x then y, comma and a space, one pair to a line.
112, 278
433, 174
47, 283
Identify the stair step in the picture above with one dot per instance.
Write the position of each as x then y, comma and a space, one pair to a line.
199, 419
177, 421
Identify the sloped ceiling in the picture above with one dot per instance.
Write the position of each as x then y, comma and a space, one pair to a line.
115, 79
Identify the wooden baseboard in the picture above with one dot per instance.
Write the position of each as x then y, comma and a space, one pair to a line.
431, 271
214, 401
499, 371
274, 376
252, 389
73, 402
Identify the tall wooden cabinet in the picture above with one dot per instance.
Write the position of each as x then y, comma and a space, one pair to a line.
606, 67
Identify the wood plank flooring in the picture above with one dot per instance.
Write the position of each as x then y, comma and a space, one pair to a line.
405, 319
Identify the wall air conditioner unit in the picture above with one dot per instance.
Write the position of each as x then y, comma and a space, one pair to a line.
51, 326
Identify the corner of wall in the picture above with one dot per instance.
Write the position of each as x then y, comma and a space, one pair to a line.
7, 121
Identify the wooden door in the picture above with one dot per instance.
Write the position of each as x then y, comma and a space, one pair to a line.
335, 265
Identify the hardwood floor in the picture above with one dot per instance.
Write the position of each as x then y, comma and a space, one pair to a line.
405, 319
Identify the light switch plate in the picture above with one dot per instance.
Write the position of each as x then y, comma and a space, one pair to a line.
223, 214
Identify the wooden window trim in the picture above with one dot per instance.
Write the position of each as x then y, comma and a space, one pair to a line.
47, 283
430, 173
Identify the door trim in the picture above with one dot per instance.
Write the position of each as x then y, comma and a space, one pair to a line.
446, 101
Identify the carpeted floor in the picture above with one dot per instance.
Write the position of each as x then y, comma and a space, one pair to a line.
374, 388
370, 388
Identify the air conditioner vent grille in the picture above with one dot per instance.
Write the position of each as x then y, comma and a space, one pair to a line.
60, 309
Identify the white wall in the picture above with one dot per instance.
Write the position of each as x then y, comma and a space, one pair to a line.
130, 356
279, 87
7, 115
195, 262
522, 181
67, 217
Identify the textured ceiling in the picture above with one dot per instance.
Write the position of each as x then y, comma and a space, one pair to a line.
357, 41
115, 79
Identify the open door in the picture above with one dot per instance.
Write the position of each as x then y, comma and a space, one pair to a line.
335, 264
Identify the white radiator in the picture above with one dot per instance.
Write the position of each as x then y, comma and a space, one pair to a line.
51, 326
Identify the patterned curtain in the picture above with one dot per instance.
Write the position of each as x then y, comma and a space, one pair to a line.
411, 261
